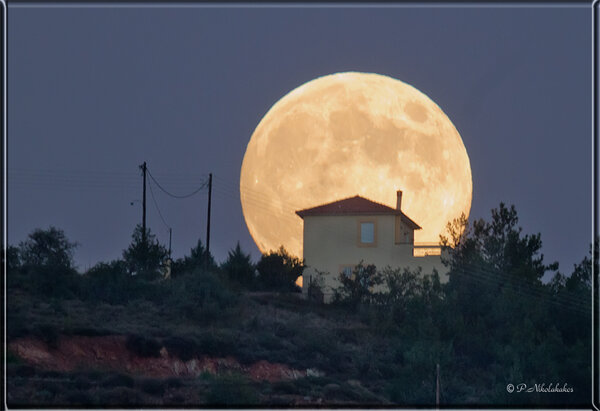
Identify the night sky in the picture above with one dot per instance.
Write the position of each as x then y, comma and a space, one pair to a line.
95, 91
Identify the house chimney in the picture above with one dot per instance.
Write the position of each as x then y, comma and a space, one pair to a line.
398, 200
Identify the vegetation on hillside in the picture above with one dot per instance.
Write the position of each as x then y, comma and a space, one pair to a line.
494, 323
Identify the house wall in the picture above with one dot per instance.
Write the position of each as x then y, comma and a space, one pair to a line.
331, 242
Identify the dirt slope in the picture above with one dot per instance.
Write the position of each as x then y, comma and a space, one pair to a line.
110, 353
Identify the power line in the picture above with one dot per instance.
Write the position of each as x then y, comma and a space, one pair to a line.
473, 273
204, 185
157, 208
490, 278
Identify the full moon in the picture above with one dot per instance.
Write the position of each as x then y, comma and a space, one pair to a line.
348, 134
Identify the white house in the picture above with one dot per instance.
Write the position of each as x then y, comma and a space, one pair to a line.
341, 234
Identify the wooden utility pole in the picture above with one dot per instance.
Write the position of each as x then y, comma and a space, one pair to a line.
170, 232
143, 167
437, 386
208, 220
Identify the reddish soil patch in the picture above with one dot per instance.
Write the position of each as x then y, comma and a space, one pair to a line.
110, 352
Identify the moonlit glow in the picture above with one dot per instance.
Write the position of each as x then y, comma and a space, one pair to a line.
346, 134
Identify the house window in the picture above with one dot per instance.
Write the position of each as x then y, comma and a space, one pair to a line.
347, 270
367, 233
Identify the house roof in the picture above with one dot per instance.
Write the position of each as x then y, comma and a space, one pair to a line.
356, 205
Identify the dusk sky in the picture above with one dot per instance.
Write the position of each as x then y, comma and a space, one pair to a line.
95, 91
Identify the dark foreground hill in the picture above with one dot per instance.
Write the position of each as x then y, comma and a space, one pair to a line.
263, 348
206, 337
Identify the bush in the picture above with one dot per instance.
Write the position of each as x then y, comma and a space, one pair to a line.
218, 343
181, 347
119, 396
142, 346
174, 382
79, 398
231, 390
46, 281
238, 267
144, 256
12, 358
152, 386
201, 296
358, 288
195, 261
48, 248
13, 259
24, 371
118, 380
108, 282
279, 271
48, 334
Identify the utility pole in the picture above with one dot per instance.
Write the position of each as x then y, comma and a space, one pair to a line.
208, 220
143, 167
170, 232
437, 386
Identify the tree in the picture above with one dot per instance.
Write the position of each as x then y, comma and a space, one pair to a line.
504, 317
13, 259
238, 266
488, 260
572, 300
195, 261
47, 248
43, 264
197, 258
498, 244
358, 288
278, 270
145, 255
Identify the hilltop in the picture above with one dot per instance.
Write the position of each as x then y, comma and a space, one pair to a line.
121, 334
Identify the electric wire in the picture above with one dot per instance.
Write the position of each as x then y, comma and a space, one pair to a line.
89, 179
174, 195
474, 273
93, 179
157, 208
490, 278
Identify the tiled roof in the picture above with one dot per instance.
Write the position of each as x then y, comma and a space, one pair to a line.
356, 205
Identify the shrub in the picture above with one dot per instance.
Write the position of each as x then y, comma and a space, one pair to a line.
48, 248
12, 358
286, 387
174, 382
142, 346
218, 343
238, 267
152, 386
118, 380
119, 396
231, 390
358, 288
13, 259
181, 347
145, 255
109, 282
48, 334
201, 296
279, 271
82, 384
195, 261
24, 371
79, 398
47, 281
